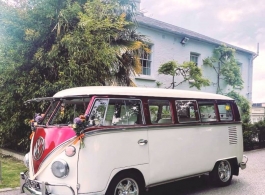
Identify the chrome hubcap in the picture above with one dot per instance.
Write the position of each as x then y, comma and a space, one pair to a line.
127, 187
224, 171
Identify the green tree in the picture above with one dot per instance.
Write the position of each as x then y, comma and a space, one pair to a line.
50, 45
243, 104
188, 71
226, 67
224, 64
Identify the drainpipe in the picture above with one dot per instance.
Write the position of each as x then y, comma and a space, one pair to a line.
250, 74
137, 5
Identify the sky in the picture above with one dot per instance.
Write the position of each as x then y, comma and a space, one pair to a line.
237, 22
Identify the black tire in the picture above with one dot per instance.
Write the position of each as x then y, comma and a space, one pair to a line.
137, 183
222, 173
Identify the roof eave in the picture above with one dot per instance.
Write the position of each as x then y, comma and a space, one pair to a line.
215, 42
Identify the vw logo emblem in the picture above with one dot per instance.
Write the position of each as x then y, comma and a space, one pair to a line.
38, 148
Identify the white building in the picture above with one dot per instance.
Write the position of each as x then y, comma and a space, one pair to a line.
169, 42
257, 112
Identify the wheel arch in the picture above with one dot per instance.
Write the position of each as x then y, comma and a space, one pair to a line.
233, 162
134, 171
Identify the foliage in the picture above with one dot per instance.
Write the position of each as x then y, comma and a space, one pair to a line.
50, 45
225, 66
260, 132
158, 83
254, 135
243, 104
249, 134
188, 71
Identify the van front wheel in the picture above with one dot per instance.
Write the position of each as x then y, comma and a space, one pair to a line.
222, 173
126, 184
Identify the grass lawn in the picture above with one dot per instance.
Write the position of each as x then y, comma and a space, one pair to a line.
10, 171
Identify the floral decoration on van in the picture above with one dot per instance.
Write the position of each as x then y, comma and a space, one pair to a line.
34, 122
37, 119
79, 125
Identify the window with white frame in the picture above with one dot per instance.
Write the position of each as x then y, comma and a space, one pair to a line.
194, 57
145, 58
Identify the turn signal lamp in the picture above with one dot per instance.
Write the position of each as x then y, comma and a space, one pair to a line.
70, 151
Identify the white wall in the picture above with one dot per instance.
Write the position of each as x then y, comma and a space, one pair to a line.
166, 46
257, 114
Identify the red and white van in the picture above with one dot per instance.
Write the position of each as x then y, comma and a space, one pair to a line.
123, 140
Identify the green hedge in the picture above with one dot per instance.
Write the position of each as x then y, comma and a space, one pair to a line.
254, 135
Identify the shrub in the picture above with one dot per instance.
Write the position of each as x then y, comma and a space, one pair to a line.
260, 128
254, 135
249, 136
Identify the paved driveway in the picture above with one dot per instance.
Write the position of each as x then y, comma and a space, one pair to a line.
250, 181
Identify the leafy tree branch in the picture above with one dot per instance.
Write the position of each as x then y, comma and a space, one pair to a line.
224, 64
188, 71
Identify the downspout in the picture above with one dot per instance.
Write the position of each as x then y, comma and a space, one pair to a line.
250, 73
137, 6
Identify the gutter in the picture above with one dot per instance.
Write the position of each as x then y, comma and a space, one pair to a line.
257, 54
250, 73
183, 32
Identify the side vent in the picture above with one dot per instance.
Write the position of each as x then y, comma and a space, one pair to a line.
232, 135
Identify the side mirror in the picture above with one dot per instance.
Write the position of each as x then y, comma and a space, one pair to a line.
87, 117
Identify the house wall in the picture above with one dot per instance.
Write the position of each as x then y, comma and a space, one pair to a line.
257, 114
166, 46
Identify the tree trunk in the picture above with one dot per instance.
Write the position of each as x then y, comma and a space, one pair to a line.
173, 83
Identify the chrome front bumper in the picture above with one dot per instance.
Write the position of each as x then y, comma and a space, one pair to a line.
35, 187
243, 164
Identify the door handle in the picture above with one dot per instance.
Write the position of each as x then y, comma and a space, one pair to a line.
142, 142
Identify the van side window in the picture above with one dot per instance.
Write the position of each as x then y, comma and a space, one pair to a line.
225, 111
98, 112
186, 111
207, 111
123, 112
160, 111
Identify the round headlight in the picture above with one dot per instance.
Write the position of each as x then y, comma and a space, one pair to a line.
26, 160
60, 168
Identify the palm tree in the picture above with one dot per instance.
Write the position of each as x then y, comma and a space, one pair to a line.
129, 45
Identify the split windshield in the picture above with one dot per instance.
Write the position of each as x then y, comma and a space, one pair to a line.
105, 111
62, 112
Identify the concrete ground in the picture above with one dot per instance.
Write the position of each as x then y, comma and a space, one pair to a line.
250, 181
10, 191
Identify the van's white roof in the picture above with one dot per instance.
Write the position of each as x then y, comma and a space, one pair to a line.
137, 91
